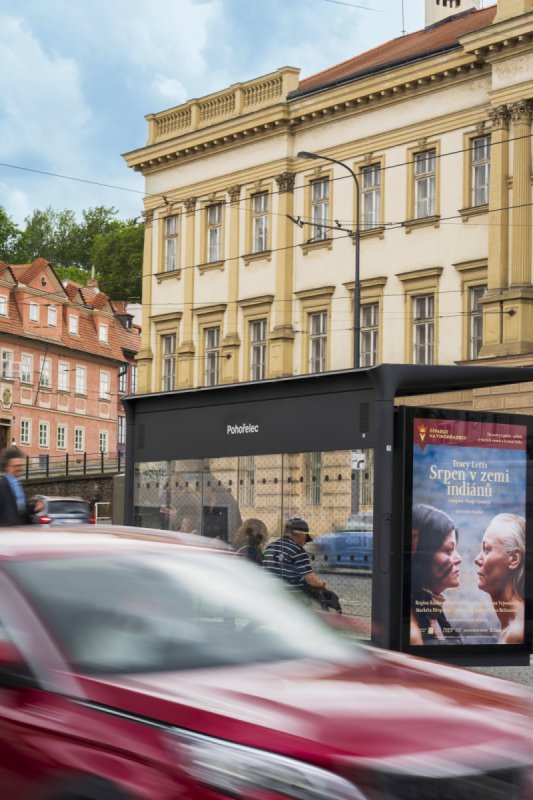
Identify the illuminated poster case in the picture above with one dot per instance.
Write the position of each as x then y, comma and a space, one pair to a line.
465, 576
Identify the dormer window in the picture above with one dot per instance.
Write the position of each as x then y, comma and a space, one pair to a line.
34, 312
103, 331
3, 305
52, 316
73, 324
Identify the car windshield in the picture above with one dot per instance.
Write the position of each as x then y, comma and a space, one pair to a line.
158, 612
67, 507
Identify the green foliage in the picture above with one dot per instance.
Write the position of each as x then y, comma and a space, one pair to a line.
76, 274
118, 258
9, 234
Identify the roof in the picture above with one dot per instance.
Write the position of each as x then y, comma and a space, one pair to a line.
441, 36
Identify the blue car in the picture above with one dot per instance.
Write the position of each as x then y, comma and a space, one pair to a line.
347, 547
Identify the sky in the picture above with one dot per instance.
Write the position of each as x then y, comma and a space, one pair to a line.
78, 77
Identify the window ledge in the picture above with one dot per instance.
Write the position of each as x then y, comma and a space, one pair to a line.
163, 276
370, 233
473, 211
81, 394
9, 378
319, 244
210, 265
423, 222
263, 255
46, 389
104, 399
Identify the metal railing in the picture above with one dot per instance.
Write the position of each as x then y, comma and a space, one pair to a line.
47, 466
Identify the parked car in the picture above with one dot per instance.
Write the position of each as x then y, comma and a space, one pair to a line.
61, 511
349, 546
140, 670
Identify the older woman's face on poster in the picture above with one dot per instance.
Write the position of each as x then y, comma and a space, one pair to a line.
445, 567
495, 564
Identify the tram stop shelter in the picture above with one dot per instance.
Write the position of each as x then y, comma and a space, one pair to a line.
344, 451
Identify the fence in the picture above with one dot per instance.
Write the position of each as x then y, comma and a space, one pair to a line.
47, 466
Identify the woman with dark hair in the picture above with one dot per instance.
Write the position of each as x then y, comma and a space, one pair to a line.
434, 569
250, 539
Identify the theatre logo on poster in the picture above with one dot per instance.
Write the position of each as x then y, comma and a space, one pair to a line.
467, 588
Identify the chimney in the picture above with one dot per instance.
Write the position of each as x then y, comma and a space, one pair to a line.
512, 8
437, 10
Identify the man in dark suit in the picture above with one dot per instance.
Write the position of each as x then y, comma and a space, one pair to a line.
14, 508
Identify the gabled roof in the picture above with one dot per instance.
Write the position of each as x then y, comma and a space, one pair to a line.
440, 37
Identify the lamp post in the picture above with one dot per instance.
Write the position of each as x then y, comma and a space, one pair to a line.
357, 281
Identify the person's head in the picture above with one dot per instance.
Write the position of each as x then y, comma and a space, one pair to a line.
252, 533
502, 555
12, 461
298, 530
186, 525
435, 560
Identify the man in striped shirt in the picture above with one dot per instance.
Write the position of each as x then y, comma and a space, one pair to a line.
287, 559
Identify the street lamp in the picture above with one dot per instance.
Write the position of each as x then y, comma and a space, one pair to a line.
357, 281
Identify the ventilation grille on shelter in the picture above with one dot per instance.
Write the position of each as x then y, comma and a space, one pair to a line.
364, 417
141, 436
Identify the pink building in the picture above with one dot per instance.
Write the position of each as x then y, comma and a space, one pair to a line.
61, 354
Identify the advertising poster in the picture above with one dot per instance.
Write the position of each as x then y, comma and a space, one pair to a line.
467, 532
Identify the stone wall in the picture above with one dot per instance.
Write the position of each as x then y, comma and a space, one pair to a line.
75, 486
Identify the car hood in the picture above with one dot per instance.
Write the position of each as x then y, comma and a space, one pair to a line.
386, 706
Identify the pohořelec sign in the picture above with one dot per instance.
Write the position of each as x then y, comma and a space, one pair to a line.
239, 430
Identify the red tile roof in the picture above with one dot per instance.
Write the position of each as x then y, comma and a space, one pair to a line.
439, 37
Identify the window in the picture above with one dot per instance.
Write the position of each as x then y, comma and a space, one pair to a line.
214, 232
26, 368
318, 327
212, 356
476, 320
424, 329
79, 439
52, 316
25, 431
63, 376
247, 480
45, 379
7, 363
425, 183
102, 441
258, 349
123, 378
259, 222
133, 378
369, 334
313, 478
44, 434
121, 430
34, 312
103, 332
3, 305
105, 385
319, 208
61, 437
171, 243
371, 191
81, 380
73, 324
168, 349
480, 170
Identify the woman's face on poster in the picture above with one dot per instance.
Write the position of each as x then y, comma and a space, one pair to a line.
445, 567
494, 564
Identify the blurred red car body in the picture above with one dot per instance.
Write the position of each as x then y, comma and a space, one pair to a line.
138, 670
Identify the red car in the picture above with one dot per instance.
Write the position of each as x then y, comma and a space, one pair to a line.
138, 670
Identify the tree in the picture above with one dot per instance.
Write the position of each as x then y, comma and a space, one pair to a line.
117, 257
9, 235
76, 274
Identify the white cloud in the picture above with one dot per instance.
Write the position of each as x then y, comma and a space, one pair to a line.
170, 89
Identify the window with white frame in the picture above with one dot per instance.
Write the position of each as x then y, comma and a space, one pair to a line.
121, 433
247, 481
212, 356
425, 183
7, 363
258, 349
318, 333
313, 478
103, 441
25, 431
214, 232
168, 355
44, 434
63, 376
259, 222
26, 368
123, 378
480, 170
45, 374
81, 380
105, 385
3, 305
73, 323
34, 312
371, 192
103, 333
61, 437
79, 439
171, 243
319, 208
52, 316
369, 334
133, 378
423, 329
476, 320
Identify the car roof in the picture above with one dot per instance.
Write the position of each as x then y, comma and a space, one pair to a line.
59, 497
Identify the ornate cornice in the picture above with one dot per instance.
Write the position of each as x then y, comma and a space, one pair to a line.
190, 205
234, 193
148, 217
499, 117
285, 182
521, 111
